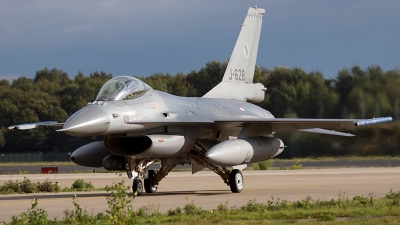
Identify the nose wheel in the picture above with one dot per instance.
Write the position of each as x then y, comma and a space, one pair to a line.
149, 185
137, 186
236, 181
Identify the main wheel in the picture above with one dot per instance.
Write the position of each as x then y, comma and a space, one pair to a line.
236, 181
137, 186
148, 183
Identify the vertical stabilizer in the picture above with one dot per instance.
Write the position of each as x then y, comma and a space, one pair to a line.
237, 82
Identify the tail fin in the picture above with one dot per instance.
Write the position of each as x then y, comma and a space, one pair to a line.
237, 82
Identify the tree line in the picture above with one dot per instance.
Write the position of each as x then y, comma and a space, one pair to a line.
291, 92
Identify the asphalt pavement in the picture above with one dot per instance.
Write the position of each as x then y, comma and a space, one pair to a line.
207, 190
314, 164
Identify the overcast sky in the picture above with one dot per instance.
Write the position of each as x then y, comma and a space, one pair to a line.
140, 38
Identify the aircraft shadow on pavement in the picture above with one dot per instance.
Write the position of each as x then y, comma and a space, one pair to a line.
199, 193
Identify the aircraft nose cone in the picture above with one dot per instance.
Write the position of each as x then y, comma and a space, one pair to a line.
89, 121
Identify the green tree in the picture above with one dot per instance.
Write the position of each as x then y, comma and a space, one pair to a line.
2, 139
207, 77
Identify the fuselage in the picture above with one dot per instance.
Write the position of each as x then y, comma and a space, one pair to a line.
162, 110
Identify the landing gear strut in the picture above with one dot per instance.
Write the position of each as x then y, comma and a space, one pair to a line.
136, 169
233, 179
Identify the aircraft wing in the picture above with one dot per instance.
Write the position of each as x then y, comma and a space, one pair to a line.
309, 123
261, 126
265, 126
251, 126
36, 125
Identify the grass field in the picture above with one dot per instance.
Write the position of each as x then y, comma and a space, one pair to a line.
341, 210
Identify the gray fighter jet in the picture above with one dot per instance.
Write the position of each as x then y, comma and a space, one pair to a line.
218, 131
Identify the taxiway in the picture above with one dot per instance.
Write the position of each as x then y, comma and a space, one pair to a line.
206, 190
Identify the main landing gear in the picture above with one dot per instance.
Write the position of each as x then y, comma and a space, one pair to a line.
236, 181
234, 178
137, 169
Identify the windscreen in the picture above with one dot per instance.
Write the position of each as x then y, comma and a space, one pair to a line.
122, 88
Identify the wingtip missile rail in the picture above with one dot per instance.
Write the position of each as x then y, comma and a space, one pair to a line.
367, 122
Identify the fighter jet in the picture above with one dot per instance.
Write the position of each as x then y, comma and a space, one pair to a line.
219, 131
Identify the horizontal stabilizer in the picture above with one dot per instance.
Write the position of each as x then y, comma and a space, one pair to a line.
323, 131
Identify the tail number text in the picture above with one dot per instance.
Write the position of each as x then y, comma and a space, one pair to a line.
237, 74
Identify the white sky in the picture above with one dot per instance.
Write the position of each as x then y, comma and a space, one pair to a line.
140, 38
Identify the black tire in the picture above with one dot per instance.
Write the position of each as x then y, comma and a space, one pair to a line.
137, 186
148, 183
236, 181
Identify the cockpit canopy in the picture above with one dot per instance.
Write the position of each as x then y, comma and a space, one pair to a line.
122, 88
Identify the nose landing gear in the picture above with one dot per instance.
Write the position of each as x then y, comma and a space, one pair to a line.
137, 169
137, 186
149, 185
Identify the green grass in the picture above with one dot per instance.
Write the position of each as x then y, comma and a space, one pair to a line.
264, 165
341, 210
26, 186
